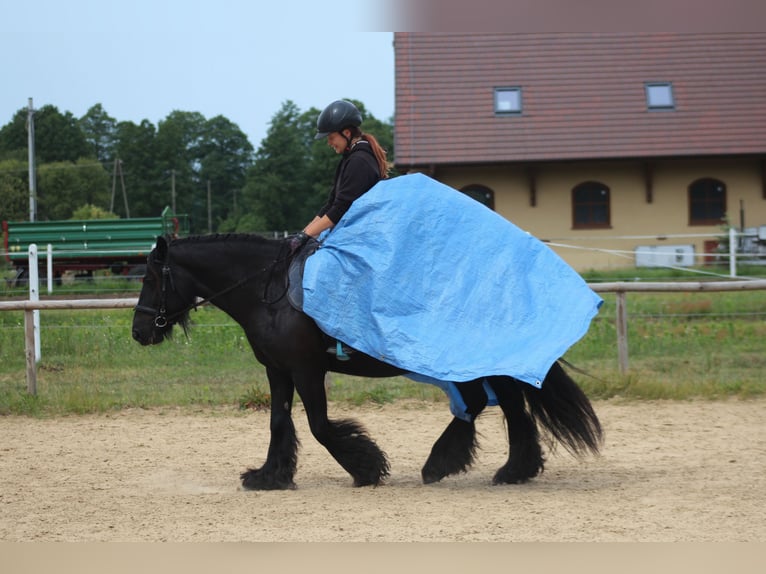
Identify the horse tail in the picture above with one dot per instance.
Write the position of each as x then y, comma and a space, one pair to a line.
563, 409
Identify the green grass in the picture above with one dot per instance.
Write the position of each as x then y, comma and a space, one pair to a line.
681, 346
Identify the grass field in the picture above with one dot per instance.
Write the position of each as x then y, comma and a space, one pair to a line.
681, 346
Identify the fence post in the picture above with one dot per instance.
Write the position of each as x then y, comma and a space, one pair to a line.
34, 295
50, 268
732, 252
29, 351
622, 332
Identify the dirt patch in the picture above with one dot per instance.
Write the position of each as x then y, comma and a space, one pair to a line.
670, 471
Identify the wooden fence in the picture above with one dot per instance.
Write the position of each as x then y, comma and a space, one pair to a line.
618, 288
29, 307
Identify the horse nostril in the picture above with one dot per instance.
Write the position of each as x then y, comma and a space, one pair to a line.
137, 335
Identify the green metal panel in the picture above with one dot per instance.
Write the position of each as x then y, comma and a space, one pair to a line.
106, 238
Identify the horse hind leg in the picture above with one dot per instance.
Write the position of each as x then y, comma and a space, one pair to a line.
455, 450
525, 456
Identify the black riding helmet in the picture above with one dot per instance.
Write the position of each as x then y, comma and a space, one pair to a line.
336, 117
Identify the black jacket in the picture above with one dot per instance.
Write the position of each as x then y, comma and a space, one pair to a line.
356, 173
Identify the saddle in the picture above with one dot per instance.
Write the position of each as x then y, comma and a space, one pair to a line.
295, 293
295, 273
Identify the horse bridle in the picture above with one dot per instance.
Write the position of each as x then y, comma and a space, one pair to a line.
161, 319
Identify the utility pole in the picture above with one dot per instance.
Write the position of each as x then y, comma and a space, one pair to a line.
209, 209
31, 149
124, 193
114, 185
118, 169
173, 190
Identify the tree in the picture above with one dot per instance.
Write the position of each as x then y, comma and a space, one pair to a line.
136, 150
14, 191
65, 186
225, 156
90, 211
100, 131
198, 152
278, 187
57, 136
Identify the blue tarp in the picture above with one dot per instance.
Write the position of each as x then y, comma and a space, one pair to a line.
421, 276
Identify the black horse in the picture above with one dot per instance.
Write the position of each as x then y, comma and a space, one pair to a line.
246, 277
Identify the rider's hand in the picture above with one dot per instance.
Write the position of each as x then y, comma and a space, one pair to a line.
297, 241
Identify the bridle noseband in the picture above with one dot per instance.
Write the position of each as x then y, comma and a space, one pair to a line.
160, 315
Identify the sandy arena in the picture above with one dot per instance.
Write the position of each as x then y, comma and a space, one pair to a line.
670, 471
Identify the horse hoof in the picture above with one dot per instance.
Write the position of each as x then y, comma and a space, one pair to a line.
509, 480
358, 483
507, 476
431, 476
256, 479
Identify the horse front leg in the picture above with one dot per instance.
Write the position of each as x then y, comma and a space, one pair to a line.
278, 471
455, 450
345, 439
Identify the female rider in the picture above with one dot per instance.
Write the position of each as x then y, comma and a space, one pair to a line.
363, 163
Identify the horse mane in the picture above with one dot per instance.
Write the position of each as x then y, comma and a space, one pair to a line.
227, 238
246, 244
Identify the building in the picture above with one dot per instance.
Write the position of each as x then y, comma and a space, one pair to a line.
618, 148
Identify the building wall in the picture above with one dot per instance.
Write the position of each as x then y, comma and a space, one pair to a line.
635, 222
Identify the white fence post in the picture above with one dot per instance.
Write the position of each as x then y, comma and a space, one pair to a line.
34, 295
621, 323
732, 252
50, 269
29, 351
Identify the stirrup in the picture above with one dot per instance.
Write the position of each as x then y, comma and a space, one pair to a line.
338, 351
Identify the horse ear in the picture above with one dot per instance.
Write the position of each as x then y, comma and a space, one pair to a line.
162, 247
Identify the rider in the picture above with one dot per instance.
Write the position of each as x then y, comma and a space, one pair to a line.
363, 164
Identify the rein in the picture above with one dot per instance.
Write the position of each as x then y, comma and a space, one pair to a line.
161, 319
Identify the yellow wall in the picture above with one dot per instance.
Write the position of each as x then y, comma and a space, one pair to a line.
631, 215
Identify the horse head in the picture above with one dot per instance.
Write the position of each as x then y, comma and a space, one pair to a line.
160, 305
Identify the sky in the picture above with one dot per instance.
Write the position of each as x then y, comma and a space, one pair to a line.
243, 59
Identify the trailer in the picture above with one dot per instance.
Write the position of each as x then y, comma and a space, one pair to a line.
87, 245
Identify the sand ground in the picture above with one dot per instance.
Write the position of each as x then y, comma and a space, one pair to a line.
670, 471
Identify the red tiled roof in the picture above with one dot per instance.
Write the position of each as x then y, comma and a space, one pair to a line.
583, 96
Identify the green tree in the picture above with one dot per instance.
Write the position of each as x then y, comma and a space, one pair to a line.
14, 191
62, 187
138, 169
57, 136
278, 187
100, 131
179, 137
225, 155
198, 152
90, 211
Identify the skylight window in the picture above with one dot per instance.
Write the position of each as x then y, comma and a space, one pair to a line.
507, 101
659, 96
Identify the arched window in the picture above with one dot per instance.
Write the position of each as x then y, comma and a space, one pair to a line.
590, 206
481, 194
707, 202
